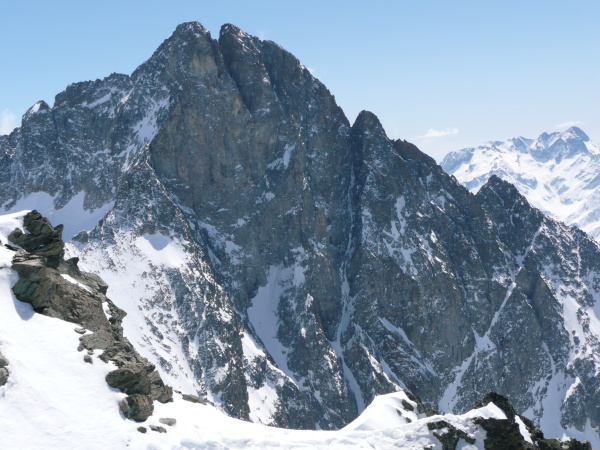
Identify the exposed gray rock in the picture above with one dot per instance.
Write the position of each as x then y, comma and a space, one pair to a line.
167, 421
193, 399
3, 376
3, 361
137, 407
142, 429
158, 429
41, 237
131, 379
449, 435
46, 281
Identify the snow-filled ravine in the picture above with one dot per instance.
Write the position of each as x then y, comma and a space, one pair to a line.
53, 399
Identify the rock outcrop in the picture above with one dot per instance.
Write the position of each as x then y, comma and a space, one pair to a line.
516, 432
3, 370
57, 288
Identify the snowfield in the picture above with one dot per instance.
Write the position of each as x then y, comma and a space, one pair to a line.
53, 399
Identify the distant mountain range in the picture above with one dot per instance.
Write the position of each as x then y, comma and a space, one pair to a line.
559, 173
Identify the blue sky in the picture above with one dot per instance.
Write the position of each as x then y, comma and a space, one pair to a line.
444, 75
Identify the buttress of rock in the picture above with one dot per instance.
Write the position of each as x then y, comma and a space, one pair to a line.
57, 288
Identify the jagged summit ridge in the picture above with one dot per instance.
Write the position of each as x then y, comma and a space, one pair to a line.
290, 267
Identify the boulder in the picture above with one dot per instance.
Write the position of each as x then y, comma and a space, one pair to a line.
41, 238
137, 407
168, 421
3, 361
193, 399
3, 376
131, 379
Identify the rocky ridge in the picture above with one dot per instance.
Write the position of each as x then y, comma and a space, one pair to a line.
289, 266
57, 288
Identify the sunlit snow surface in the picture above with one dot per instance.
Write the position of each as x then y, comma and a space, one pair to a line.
54, 399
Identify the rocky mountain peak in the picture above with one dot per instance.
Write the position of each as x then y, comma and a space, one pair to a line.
188, 28
290, 267
38, 107
503, 189
367, 122
186, 34
234, 30
575, 133
371, 140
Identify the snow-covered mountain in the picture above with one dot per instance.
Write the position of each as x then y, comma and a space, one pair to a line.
288, 266
559, 173
52, 397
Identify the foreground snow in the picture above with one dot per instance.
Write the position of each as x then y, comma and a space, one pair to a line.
53, 399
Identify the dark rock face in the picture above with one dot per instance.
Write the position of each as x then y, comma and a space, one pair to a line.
3, 370
137, 407
41, 238
502, 435
57, 288
322, 263
3, 361
450, 435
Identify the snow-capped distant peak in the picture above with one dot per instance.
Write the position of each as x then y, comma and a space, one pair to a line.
557, 172
574, 133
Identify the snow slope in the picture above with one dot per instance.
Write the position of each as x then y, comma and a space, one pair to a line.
558, 173
53, 399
